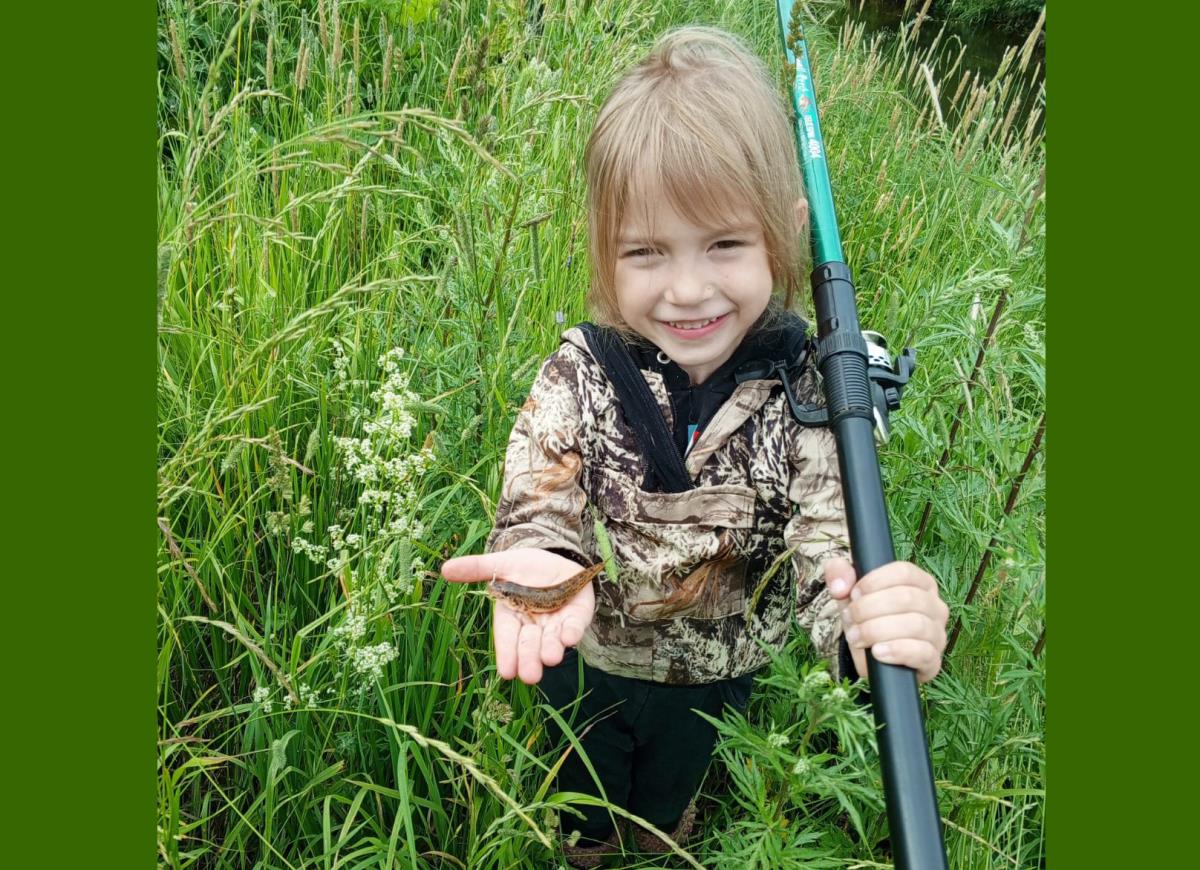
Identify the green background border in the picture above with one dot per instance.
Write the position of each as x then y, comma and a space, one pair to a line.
80, 618
79, 621
1121, 206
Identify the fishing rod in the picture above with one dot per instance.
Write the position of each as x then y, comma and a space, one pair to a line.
860, 388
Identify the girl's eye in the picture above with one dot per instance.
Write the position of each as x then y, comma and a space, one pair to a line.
640, 252
729, 244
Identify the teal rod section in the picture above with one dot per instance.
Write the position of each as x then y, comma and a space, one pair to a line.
826, 241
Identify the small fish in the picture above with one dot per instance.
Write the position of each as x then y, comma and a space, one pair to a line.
541, 599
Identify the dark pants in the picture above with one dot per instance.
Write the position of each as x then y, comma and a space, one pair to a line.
649, 750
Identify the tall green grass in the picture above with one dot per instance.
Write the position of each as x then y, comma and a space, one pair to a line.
341, 180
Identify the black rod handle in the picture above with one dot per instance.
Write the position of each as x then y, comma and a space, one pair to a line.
913, 818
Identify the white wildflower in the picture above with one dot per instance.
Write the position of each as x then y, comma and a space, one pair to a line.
341, 368
405, 527
836, 696
398, 526
375, 498
386, 467
817, 680
391, 359
371, 659
261, 697
275, 522
354, 628
315, 552
777, 739
802, 767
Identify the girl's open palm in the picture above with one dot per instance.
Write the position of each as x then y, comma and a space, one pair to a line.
526, 642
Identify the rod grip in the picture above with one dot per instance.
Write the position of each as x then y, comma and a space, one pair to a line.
913, 818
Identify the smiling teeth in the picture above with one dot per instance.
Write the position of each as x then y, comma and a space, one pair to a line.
692, 324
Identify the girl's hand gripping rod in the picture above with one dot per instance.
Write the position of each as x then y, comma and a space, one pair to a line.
913, 819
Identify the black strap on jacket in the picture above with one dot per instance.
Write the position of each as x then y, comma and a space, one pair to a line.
784, 353
640, 407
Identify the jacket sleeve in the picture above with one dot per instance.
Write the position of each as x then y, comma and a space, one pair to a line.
542, 502
815, 534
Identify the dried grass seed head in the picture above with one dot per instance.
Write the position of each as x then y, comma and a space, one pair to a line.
700, 122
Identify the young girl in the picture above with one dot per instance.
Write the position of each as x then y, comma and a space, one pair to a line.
697, 229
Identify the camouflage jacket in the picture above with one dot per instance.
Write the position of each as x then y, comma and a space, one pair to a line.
695, 595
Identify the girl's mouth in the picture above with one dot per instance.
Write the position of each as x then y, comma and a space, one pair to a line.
696, 331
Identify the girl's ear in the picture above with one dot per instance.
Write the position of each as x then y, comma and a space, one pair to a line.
801, 214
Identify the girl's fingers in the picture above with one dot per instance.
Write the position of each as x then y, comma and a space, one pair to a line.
919, 655
468, 569
506, 628
897, 626
529, 653
860, 661
896, 600
894, 574
839, 577
552, 645
572, 630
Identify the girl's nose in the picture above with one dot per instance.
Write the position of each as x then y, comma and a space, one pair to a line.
687, 291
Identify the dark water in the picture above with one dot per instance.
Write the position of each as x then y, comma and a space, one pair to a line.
984, 47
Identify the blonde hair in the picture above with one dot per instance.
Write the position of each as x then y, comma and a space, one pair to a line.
700, 120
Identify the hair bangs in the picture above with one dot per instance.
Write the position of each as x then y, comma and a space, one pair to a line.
700, 176
705, 182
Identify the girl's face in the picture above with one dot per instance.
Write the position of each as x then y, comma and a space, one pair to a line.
691, 290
